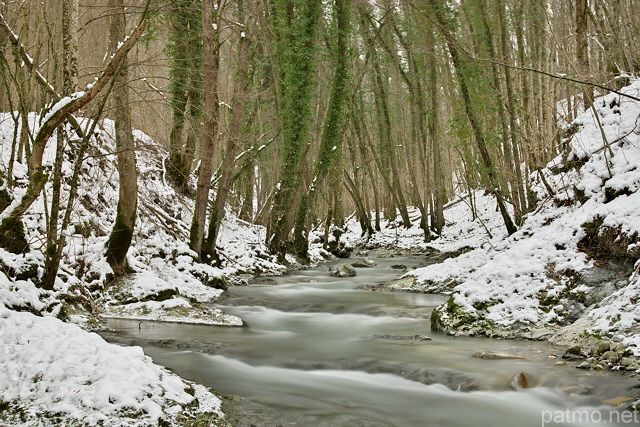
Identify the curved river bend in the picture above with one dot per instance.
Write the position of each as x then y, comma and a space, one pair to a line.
320, 352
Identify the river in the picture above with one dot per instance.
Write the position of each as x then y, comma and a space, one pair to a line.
318, 351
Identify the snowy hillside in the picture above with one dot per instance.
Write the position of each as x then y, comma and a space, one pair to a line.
573, 260
51, 370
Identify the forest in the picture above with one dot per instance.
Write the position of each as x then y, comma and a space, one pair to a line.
295, 115
154, 153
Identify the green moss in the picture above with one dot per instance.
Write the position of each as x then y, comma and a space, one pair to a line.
12, 236
462, 317
484, 305
5, 198
594, 334
217, 282
63, 313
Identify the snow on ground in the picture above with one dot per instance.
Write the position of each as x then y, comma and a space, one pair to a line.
52, 372
160, 256
68, 374
461, 229
531, 283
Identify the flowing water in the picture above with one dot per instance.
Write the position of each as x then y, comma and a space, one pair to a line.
320, 352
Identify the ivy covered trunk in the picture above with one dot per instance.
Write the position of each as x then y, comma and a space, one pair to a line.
185, 50
295, 23
333, 126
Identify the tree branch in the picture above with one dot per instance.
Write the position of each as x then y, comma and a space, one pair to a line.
60, 112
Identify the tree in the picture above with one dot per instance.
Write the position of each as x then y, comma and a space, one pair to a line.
185, 51
333, 126
211, 50
234, 136
53, 252
122, 232
582, 48
444, 25
294, 23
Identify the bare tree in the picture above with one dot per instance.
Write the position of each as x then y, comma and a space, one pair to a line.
122, 232
211, 49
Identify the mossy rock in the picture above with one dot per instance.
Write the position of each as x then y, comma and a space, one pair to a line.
162, 295
217, 283
12, 236
452, 319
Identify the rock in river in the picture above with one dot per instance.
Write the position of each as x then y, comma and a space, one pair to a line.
492, 355
364, 263
342, 270
520, 381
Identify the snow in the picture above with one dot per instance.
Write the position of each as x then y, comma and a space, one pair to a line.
619, 313
61, 370
87, 379
528, 280
54, 369
61, 104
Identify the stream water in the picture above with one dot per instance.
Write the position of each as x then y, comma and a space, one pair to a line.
320, 352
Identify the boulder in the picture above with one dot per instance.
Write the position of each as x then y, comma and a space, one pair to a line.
492, 355
520, 381
573, 353
364, 263
342, 270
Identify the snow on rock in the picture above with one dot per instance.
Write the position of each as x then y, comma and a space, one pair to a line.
52, 372
618, 315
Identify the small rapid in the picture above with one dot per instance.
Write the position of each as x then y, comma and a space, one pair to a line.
318, 350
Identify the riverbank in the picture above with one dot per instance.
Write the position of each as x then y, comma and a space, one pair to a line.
48, 373
570, 274
320, 350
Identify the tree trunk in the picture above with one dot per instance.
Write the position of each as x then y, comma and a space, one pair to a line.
297, 21
122, 232
582, 49
333, 127
211, 49
185, 51
69, 82
518, 191
434, 134
473, 120
234, 139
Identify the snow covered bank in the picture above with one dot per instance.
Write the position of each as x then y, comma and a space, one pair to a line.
53, 373
167, 275
557, 272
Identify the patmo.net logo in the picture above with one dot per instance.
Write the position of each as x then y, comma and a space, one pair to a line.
586, 417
